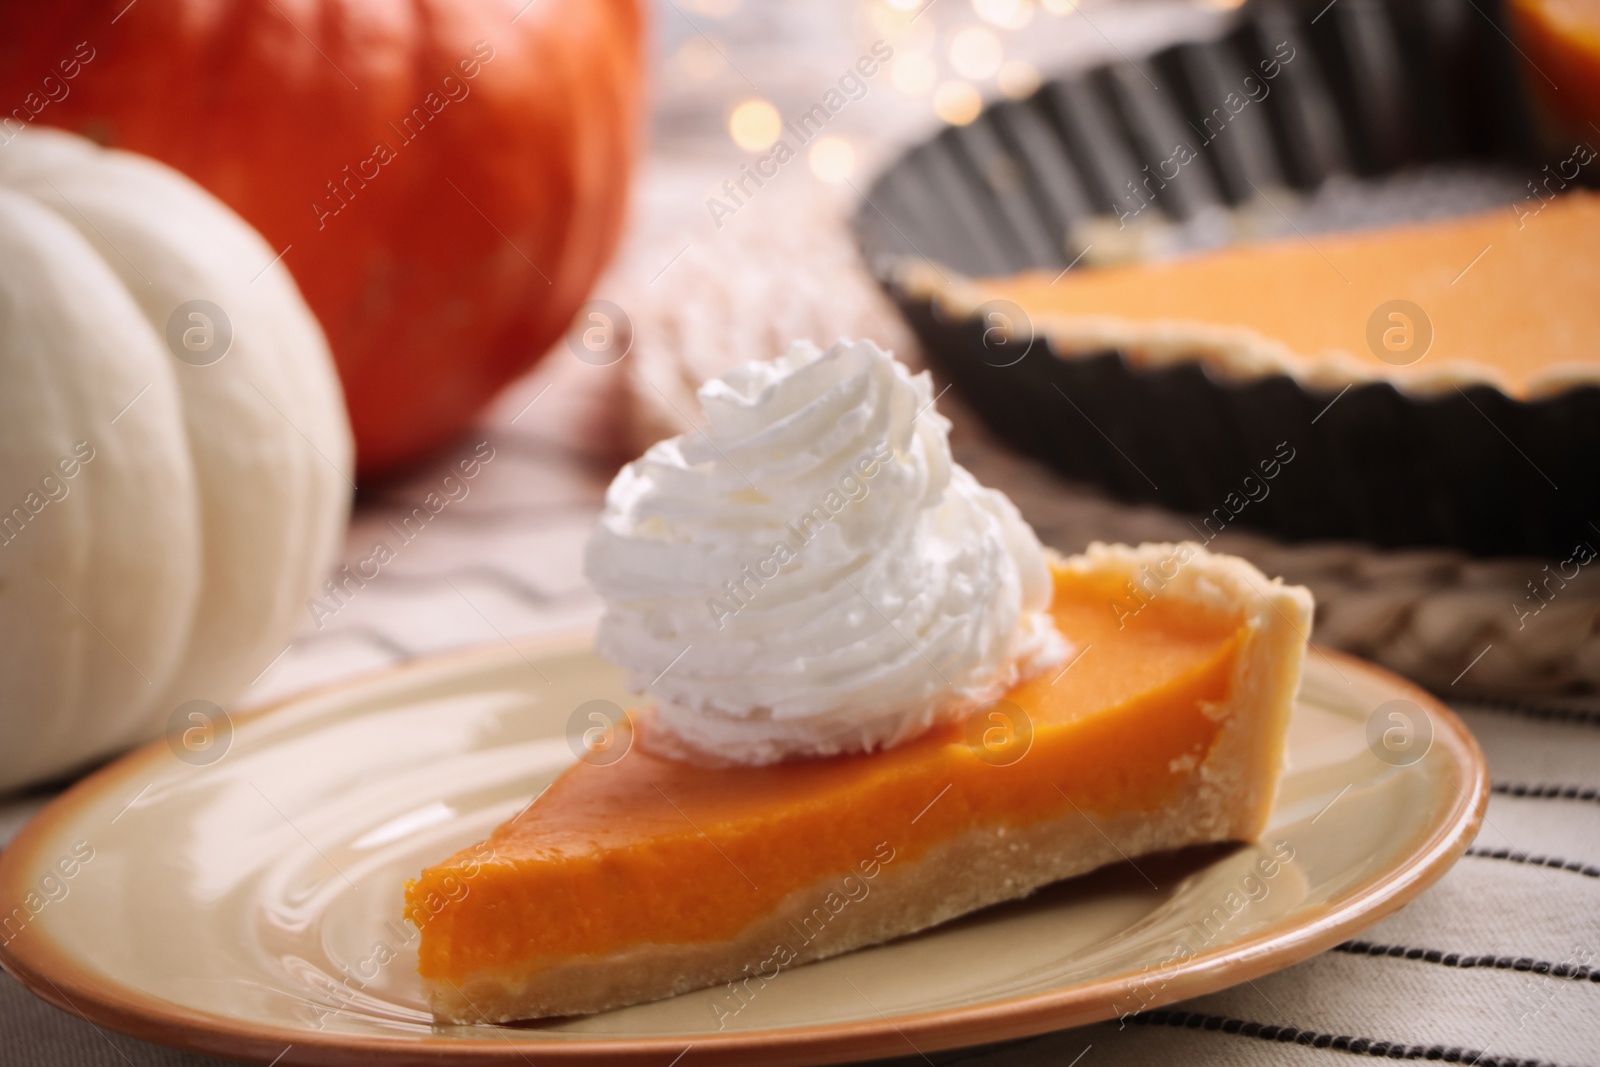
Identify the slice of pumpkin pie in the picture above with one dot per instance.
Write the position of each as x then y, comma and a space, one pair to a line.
906, 714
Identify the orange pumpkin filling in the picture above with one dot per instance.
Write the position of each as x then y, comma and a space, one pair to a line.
653, 851
1511, 290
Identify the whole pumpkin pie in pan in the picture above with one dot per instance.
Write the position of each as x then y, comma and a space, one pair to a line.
948, 718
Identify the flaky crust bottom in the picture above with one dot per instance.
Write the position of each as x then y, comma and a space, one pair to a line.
1227, 797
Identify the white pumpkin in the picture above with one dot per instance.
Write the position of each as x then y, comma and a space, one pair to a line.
162, 520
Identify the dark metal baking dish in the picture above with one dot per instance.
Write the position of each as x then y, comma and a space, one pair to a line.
1389, 111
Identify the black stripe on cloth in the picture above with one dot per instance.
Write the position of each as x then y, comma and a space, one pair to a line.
1577, 972
1546, 792
1361, 1046
1552, 862
1521, 709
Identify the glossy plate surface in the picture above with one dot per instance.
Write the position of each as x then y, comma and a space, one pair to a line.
250, 905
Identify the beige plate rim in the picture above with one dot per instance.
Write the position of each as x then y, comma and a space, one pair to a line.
62, 981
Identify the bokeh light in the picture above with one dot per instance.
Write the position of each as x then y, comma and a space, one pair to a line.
1017, 78
754, 125
891, 18
957, 102
832, 159
975, 53
1007, 14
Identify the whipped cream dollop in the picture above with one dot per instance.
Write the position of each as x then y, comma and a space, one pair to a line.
812, 573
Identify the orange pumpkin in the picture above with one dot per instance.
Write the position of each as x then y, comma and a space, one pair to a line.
445, 178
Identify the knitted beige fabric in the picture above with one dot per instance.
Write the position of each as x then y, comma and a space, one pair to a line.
784, 269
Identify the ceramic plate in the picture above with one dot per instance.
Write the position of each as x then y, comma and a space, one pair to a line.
244, 899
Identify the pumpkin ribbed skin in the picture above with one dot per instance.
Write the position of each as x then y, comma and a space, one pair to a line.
162, 521
439, 274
